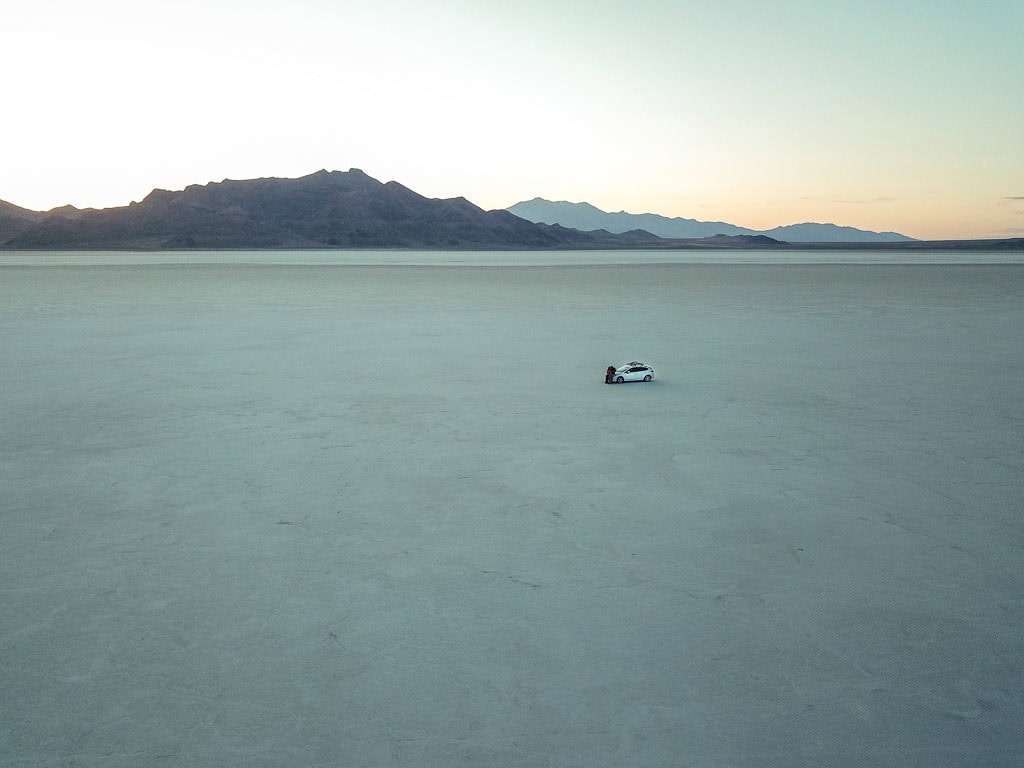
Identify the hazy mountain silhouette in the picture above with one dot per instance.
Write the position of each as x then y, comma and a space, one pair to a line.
833, 233
585, 216
323, 210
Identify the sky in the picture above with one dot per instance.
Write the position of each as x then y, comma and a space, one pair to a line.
906, 115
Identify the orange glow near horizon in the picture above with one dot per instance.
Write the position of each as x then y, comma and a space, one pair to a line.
805, 113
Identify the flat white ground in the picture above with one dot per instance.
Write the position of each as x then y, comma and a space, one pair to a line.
391, 516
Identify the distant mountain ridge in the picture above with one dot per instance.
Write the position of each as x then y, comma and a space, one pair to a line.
349, 209
326, 209
14, 219
586, 217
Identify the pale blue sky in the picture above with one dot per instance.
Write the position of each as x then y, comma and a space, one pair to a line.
905, 115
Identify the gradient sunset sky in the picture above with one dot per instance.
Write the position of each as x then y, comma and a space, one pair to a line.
906, 115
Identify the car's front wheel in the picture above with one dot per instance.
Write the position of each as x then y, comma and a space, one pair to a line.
647, 377
619, 379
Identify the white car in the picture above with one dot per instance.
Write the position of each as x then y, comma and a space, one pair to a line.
633, 371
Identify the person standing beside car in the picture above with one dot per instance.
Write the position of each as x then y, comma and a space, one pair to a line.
609, 374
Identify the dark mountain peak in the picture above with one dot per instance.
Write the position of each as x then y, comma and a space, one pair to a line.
14, 220
398, 188
325, 209
156, 195
352, 174
463, 203
68, 210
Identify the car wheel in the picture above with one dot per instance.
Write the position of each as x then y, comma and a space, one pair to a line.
647, 377
619, 379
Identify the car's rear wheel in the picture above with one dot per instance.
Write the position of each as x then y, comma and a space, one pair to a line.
619, 379
647, 377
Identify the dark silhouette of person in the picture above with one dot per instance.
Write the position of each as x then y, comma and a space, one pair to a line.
609, 375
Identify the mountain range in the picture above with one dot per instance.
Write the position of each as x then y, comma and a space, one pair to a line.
586, 217
322, 210
349, 209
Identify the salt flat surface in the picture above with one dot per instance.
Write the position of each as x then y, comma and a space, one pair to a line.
514, 258
259, 515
